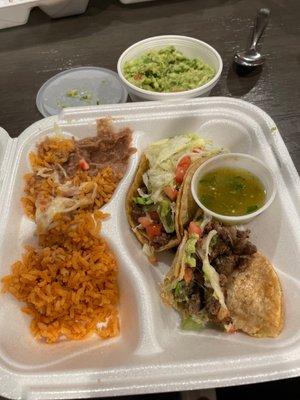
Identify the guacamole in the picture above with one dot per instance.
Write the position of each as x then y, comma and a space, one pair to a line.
167, 70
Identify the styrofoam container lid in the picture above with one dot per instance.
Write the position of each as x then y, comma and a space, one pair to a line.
83, 86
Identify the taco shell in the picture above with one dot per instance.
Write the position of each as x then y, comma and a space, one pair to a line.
186, 206
173, 275
132, 192
254, 299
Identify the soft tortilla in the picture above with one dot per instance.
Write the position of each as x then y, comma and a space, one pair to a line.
186, 207
255, 300
132, 192
172, 275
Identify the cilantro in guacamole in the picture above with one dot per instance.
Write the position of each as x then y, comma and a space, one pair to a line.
167, 70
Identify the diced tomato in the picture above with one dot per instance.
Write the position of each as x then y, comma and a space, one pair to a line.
171, 193
195, 228
188, 274
153, 230
144, 221
83, 164
185, 162
179, 175
181, 168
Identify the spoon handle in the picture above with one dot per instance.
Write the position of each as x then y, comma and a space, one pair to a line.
262, 20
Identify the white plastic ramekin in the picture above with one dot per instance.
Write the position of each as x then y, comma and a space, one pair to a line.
190, 47
236, 160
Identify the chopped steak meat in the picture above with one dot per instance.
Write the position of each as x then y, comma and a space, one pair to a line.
223, 280
198, 276
137, 212
244, 247
212, 305
154, 216
243, 234
226, 264
194, 304
161, 240
231, 244
242, 263
107, 149
219, 248
230, 251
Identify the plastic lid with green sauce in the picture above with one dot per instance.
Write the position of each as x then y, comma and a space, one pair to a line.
77, 87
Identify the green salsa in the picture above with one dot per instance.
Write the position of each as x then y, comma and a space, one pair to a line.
231, 191
167, 70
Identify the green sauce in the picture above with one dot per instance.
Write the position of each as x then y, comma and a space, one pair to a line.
231, 191
167, 70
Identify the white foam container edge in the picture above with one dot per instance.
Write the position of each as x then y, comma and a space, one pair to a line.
152, 354
17, 12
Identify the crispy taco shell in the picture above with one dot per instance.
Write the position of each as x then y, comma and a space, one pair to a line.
132, 192
254, 299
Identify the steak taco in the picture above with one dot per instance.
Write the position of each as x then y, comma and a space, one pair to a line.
219, 276
158, 203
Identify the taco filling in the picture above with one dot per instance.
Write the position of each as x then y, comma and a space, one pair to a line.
153, 204
209, 254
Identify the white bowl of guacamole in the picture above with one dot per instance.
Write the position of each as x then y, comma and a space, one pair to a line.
169, 67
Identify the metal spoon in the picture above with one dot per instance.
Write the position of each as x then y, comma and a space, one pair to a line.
251, 57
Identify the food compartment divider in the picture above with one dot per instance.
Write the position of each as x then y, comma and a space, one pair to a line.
152, 354
137, 334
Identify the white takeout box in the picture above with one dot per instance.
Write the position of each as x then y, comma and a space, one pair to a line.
151, 354
16, 12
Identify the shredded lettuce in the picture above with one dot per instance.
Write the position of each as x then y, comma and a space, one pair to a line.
189, 251
163, 157
205, 221
193, 323
180, 292
211, 276
144, 201
166, 215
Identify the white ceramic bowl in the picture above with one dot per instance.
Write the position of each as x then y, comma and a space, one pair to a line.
190, 47
237, 160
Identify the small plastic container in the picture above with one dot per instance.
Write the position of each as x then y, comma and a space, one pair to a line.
237, 160
77, 87
190, 47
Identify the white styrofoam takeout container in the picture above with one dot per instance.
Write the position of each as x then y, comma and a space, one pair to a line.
16, 12
190, 47
152, 354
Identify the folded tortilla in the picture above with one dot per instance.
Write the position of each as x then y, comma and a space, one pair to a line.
172, 276
255, 300
132, 192
253, 296
186, 206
